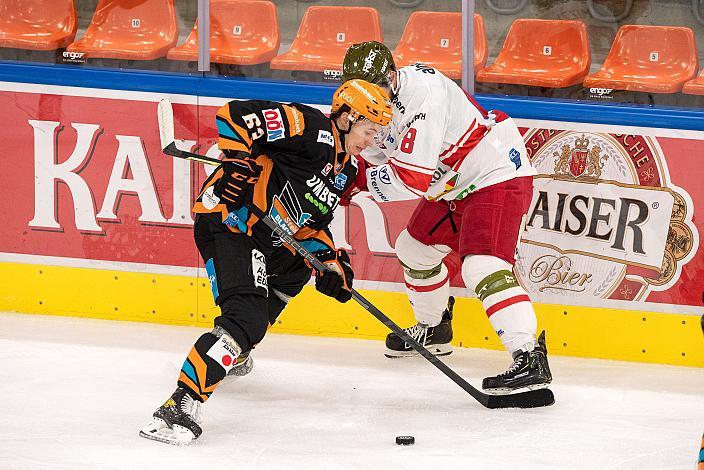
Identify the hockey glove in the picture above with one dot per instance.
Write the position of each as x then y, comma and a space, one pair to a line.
336, 282
237, 181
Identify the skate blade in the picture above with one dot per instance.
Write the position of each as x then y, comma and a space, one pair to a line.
158, 430
435, 350
511, 391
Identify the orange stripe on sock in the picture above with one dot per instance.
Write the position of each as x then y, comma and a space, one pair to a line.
200, 367
189, 383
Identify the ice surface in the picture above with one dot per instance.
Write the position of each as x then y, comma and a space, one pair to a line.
74, 392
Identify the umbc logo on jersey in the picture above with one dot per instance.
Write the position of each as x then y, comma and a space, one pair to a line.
275, 129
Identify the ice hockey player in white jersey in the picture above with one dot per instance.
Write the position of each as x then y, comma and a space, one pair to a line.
471, 169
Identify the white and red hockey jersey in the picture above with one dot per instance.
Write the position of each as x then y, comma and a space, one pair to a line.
441, 144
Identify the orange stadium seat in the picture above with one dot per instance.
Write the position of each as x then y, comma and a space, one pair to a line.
325, 34
37, 24
655, 59
242, 32
546, 53
695, 86
130, 29
435, 38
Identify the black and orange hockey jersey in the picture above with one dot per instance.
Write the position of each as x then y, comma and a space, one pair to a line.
305, 170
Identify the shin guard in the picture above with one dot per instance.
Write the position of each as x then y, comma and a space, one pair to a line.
428, 295
505, 301
210, 359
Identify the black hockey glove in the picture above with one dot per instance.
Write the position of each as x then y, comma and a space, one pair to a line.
337, 282
236, 183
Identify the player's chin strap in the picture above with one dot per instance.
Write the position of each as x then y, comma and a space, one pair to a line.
343, 133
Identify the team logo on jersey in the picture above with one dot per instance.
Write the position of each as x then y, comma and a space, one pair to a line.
275, 129
287, 212
515, 156
605, 221
324, 137
327, 169
340, 181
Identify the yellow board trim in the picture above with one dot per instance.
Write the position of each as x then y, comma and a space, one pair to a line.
181, 300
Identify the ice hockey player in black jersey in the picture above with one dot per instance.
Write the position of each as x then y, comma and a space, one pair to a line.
293, 163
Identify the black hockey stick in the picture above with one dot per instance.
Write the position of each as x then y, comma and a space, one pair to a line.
529, 399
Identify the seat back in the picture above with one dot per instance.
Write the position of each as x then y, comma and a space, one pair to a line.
436, 38
134, 21
332, 27
239, 21
37, 24
552, 43
241, 32
658, 49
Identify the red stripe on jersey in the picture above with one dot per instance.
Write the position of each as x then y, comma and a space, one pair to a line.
455, 160
506, 303
453, 146
413, 179
432, 287
500, 115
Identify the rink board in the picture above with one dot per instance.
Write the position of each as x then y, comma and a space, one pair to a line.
629, 335
97, 223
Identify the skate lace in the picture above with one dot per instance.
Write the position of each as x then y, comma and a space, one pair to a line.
190, 407
418, 332
517, 363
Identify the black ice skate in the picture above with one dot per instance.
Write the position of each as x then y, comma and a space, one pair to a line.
176, 421
529, 371
436, 339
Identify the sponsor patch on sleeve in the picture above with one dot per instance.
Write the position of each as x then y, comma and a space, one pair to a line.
275, 128
325, 137
296, 123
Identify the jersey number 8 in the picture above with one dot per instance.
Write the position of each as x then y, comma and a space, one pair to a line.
408, 141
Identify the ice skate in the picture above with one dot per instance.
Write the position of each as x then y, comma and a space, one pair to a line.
529, 371
176, 421
435, 339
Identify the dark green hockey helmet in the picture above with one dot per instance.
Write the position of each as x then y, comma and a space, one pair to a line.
370, 61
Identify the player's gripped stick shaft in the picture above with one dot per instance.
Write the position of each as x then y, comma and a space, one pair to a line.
529, 399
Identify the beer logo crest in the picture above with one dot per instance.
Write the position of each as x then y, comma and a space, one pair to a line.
580, 160
605, 221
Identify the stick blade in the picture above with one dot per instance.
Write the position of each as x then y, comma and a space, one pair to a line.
530, 399
165, 113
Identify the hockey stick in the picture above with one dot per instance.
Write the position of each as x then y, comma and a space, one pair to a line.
529, 399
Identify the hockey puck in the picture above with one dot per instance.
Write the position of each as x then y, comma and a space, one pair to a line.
405, 440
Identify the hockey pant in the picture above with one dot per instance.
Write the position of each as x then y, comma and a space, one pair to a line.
250, 288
